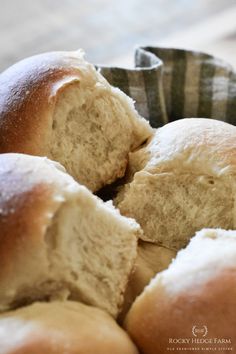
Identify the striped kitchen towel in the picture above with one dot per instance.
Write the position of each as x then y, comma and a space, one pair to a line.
168, 84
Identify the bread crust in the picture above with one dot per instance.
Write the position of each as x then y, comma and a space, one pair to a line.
57, 105
58, 328
198, 289
31, 191
182, 181
151, 260
58, 240
28, 92
195, 145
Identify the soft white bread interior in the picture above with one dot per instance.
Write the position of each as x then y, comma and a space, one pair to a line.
57, 240
57, 105
62, 328
182, 181
151, 260
198, 289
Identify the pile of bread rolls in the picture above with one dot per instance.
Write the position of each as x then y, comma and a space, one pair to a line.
75, 269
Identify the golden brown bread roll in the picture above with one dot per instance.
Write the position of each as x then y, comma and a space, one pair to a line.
194, 299
57, 105
62, 328
151, 260
58, 240
182, 181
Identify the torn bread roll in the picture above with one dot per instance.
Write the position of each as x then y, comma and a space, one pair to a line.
182, 181
58, 240
196, 292
59, 328
57, 105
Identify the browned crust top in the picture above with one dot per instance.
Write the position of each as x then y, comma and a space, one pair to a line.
27, 97
27, 203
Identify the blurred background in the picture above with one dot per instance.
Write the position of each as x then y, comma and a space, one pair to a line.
109, 30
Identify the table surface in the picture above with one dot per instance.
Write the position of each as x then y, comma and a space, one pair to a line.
109, 30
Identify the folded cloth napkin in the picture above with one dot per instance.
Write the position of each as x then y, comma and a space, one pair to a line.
168, 84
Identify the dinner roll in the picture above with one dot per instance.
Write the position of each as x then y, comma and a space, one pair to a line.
62, 328
57, 105
151, 260
182, 181
58, 240
195, 299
